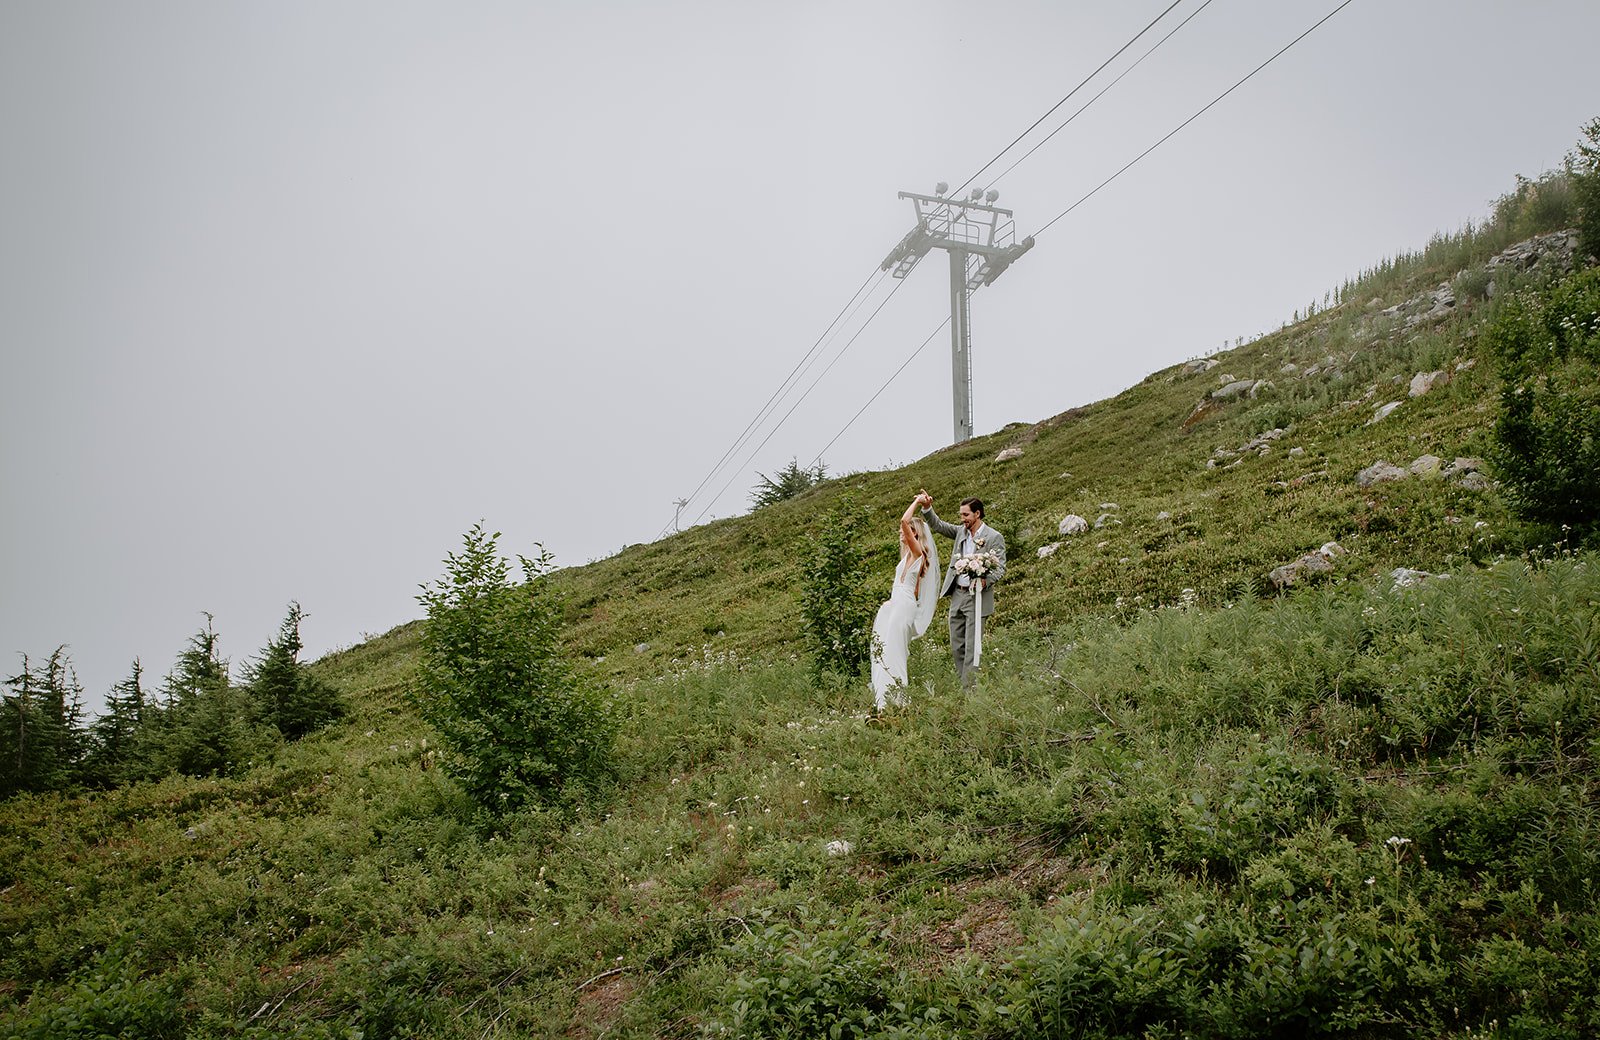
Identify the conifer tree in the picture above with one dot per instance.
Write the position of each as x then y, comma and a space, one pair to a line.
42, 742
207, 726
288, 695
112, 736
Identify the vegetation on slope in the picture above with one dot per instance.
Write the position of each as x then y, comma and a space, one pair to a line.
1174, 806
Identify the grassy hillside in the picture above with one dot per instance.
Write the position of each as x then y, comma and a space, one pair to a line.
1179, 803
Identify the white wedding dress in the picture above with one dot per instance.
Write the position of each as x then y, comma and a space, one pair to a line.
903, 618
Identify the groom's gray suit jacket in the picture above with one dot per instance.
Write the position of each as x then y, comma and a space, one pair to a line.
989, 540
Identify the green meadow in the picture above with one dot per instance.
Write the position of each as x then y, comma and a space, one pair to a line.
1184, 800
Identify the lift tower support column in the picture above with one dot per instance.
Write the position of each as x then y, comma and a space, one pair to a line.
981, 241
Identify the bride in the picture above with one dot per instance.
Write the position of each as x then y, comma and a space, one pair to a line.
909, 609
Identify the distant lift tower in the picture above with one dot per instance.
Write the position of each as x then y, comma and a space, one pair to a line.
981, 242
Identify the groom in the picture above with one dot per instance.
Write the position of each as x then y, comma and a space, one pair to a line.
972, 536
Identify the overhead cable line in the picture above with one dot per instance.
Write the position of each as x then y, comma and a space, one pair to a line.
1192, 118
783, 388
1098, 96
1064, 100
892, 377
798, 403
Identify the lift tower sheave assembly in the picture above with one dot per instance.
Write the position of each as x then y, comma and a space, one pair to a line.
981, 241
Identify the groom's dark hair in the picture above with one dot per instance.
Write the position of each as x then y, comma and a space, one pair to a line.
974, 504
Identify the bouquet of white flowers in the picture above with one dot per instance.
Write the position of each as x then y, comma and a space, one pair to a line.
975, 565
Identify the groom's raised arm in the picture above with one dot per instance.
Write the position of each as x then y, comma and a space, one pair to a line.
939, 526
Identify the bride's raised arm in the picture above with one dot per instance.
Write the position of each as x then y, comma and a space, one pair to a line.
909, 536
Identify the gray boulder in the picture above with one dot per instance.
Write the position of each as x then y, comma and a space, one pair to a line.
1423, 382
1383, 412
1426, 466
1380, 472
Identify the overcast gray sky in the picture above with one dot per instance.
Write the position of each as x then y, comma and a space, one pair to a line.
292, 293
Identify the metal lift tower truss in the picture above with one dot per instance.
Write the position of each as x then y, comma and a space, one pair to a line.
981, 241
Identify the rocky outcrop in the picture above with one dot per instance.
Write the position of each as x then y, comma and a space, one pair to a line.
1555, 252
1423, 382
1260, 444
1383, 412
1318, 561
1424, 309
1008, 454
1380, 472
1463, 472
1407, 578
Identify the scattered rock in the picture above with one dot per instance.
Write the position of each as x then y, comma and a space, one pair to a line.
1467, 365
1008, 454
1289, 368
1106, 520
1426, 466
1380, 472
1555, 251
1300, 481
1474, 481
1048, 550
641, 648
1318, 562
1163, 515
1406, 578
840, 847
1109, 507
1296, 452
1423, 382
1200, 365
1237, 388
1424, 308
1072, 523
1383, 412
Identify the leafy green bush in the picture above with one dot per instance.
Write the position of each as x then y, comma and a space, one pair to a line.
835, 599
1546, 345
518, 726
104, 1005
834, 982
1584, 164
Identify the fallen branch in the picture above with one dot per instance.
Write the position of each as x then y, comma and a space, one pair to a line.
586, 983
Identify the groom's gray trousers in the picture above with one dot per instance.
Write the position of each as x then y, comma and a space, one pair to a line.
963, 625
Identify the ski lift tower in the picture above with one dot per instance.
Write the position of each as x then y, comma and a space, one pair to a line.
981, 241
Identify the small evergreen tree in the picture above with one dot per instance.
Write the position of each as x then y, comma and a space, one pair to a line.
207, 726
518, 727
288, 695
788, 482
42, 740
835, 601
111, 736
